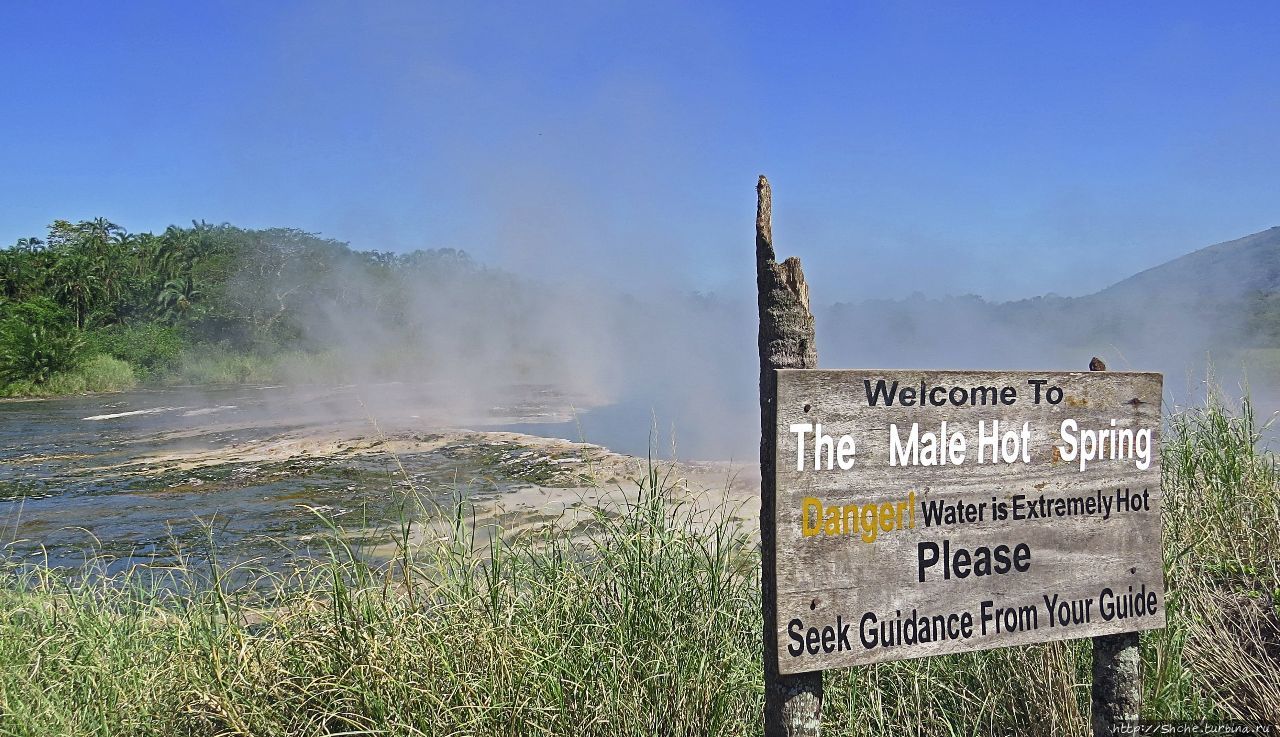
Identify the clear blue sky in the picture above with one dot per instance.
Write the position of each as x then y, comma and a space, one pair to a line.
1000, 149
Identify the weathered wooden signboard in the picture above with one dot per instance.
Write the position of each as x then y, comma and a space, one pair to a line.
930, 512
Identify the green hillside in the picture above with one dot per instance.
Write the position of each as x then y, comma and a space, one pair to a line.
1234, 270
1224, 299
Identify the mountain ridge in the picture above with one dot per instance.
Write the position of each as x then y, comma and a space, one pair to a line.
1231, 269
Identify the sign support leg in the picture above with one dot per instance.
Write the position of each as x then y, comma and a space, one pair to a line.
1117, 686
793, 702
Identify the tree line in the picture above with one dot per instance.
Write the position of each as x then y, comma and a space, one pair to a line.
137, 303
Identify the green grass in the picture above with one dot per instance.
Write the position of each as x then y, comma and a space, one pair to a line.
1221, 653
152, 349
208, 365
103, 373
215, 365
100, 373
218, 365
650, 625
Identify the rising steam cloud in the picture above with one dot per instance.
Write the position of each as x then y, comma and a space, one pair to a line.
674, 372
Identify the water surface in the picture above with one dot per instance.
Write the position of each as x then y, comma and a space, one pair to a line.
139, 476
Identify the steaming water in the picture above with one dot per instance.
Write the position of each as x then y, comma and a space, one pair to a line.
140, 475
112, 474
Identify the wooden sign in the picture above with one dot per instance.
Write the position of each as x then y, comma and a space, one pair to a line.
931, 512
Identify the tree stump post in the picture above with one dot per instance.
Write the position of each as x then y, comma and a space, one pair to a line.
792, 703
1117, 685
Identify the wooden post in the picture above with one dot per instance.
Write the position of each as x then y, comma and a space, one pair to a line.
792, 703
1117, 685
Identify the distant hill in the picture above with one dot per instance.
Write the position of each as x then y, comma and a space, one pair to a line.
1219, 305
1219, 299
1228, 271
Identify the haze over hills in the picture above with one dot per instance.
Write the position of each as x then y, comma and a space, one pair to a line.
211, 304
1218, 306
1230, 270
1221, 299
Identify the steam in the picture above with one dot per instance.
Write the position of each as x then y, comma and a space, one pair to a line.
671, 371
444, 342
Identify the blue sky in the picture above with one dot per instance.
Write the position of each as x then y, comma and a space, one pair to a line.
1000, 149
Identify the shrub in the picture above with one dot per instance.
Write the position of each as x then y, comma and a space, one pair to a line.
38, 341
104, 373
152, 349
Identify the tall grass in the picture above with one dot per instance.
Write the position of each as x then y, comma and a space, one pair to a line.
1221, 652
219, 365
646, 625
102, 373
642, 619
99, 373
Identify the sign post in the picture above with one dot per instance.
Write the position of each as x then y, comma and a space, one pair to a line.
1117, 683
792, 701
905, 514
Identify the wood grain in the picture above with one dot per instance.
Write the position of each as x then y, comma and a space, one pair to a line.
824, 576
792, 700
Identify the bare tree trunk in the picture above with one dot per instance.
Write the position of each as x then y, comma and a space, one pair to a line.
1117, 684
792, 703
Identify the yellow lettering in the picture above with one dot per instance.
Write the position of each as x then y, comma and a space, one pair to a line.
886, 516
866, 521
832, 526
869, 530
810, 504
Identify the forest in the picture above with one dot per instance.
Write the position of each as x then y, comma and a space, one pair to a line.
93, 307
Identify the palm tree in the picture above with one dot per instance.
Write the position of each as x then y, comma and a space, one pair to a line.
77, 285
171, 255
19, 268
177, 297
99, 230
11, 274
109, 262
